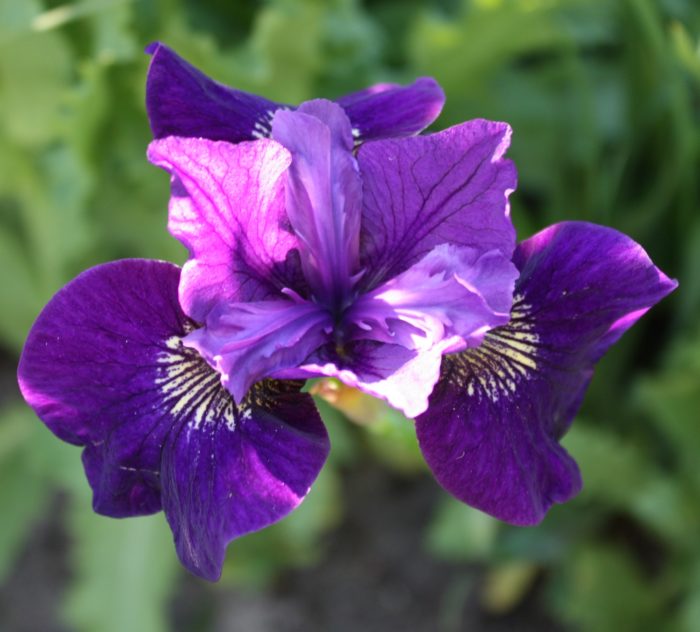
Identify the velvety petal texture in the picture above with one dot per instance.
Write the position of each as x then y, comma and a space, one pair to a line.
227, 480
388, 110
227, 207
182, 101
491, 433
450, 187
105, 367
323, 197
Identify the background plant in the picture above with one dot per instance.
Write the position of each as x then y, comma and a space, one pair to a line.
604, 100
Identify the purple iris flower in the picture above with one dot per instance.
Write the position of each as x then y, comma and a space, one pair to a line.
182, 101
392, 267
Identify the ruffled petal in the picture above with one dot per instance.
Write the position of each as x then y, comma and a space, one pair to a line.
453, 293
221, 481
105, 367
402, 377
450, 187
246, 342
227, 208
388, 110
491, 434
182, 101
323, 196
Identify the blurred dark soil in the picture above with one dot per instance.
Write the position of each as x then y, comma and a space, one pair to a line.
375, 574
374, 577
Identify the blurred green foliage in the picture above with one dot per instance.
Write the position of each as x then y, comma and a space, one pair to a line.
604, 99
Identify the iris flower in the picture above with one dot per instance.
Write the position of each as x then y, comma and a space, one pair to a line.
324, 240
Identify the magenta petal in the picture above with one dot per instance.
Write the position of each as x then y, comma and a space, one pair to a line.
451, 187
323, 196
389, 110
182, 101
222, 481
491, 434
227, 208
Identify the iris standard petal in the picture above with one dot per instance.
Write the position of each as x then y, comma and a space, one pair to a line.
323, 197
182, 101
388, 110
227, 208
104, 367
449, 187
491, 433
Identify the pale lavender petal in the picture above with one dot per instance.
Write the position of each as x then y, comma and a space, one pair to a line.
104, 367
402, 377
227, 208
451, 187
182, 101
246, 342
221, 481
323, 196
491, 434
453, 293
388, 110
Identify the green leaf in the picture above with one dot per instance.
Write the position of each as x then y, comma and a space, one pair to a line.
506, 585
34, 74
21, 299
392, 438
606, 592
24, 492
672, 400
459, 532
125, 571
621, 475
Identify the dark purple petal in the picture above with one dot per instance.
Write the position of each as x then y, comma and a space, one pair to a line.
182, 101
491, 434
246, 342
227, 208
323, 196
91, 369
104, 366
222, 481
451, 187
388, 110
